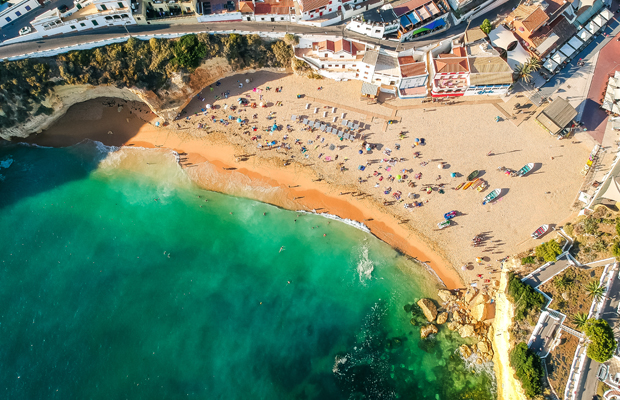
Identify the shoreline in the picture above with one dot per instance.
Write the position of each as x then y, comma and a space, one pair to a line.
297, 185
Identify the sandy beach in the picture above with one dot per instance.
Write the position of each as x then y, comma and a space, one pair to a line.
305, 170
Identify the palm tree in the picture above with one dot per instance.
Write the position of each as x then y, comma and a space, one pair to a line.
595, 290
523, 71
533, 63
563, 283
580, 319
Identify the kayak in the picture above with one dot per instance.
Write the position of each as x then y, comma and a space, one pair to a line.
472, 184
450, 215
467, 185
471, 176
477, 183
524, 171
540, 231
483, 185
491, 196
443, 224
460, 186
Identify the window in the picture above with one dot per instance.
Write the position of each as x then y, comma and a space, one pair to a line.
28, 8
341, 56
73, 27
281, 18
188, 9
79, 6
8, 19
103, 7
117, 17
82, 24
124, 16
108, 18
392, 82
95, 23
18, 13
378, 31
121, 5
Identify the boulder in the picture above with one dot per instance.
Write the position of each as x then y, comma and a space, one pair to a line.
442, 318
465, 351
479, 361
446, 295
470, 294
480, 299
428, 330
456, 317
453, 326
480, 311
428, 308
488, 356
466, 331
483, 347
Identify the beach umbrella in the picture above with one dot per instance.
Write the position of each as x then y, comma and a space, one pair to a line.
417, 140
247, 81
440, 166
453, 174
274, 127
398, 177
157, 123
361, 152
239, 120
478, 260
208, 106
332, 147
261, 104
464, 267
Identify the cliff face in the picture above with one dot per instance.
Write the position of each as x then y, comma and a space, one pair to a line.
166, 102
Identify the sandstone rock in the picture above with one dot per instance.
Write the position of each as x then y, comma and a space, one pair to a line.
442, 318
488, 357
483, 347
428, 330
446, 295
466, 331
429, 309
465, 351
479, 361
480, 311
456, 317
470, 294
480, 299
453, 326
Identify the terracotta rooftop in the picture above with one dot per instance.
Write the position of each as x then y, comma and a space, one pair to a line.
410, 5
274, 7
246, 7
309, 5
535, 19
414, 69
405, 60
347, 46
453, 64
560, 27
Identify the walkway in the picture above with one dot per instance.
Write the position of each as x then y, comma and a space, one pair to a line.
546, 272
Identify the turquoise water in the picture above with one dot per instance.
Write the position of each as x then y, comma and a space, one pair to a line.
120, 280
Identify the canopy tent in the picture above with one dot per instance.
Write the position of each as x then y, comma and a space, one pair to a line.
598, 20
615, 108
501, 37
606, 14
584, 35
608, 105
558, 57
613, 190
550, 65
609, 95
592, 27
575, 43
567, 50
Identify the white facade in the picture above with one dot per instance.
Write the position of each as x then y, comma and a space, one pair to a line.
14, 9
84, 16
371, 29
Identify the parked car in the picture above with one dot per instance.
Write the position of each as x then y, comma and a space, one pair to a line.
63, 8
25, 30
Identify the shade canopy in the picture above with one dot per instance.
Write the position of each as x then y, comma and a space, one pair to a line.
575, 43
613, 191
584, 35
550, 65
567, 50
558, 57
606, 14
592, 27
598, 20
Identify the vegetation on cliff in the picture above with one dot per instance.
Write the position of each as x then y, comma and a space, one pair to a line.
602, 343
526, 300
528, 368
142, 64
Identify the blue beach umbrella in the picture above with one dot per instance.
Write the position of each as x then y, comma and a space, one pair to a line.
239, 120
453, 174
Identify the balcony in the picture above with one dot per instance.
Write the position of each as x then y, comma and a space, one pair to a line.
451, 84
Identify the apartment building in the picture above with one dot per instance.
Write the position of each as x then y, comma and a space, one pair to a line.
14, 9
268, 10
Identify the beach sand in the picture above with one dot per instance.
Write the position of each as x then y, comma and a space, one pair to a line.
459, 137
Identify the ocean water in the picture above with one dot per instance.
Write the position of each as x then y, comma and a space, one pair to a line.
122, 279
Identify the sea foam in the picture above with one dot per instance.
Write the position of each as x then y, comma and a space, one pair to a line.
350, 222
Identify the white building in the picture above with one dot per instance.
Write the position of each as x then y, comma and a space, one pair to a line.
14, 9
376, 23
89, 14
413, 73
268, 10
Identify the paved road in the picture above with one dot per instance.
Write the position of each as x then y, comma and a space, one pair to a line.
12, 30
542, 276
112, 32
587, 386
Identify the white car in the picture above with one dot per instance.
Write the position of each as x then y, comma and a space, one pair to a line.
25, 30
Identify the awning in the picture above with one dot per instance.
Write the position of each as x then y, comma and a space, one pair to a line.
501, 37
567, 50
558, 57
605, 13
615, 109
550, 65
598, 20
584, 35
613, 191
592, 27
608, 105
575, 43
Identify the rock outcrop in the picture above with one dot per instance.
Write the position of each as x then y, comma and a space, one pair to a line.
470, 294
480, 312
465, 351
428, 308
453, 326
442, 318
466, 331
446, 296
427, 330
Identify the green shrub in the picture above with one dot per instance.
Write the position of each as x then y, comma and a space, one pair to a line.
189, 52
590, 225
602, 343
524, 297
486, 26
528, 368
528, 260
615, 250
548, 251
569, 229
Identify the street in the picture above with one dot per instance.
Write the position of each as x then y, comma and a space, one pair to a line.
113, 32
589, 381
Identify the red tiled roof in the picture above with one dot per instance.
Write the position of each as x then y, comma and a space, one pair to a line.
459, 51
246, 7
405, 60
309, 5
274, 7
535, 20
340, 45
414, 69
408, 6
453, 64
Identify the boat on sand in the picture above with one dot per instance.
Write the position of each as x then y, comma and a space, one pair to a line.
540, 231
525, 170
443, 224
491, 196
473, 175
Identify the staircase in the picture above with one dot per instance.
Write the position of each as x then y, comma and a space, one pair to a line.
573, 332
